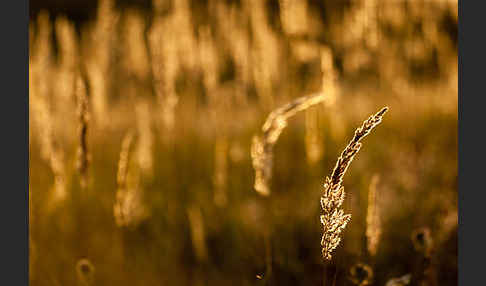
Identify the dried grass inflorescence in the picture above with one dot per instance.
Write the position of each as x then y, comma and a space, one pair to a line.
135, 58
83, 159
314, 146
373, 223
165, 67
361, 274
128, 209
68, 58
145, 138
198, 236
262, 145
237, 37
98, 55
124, 160
41, 70
209, 62
334, 220
329, 82
265, 52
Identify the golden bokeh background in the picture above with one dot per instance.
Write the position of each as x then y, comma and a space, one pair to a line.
142, 116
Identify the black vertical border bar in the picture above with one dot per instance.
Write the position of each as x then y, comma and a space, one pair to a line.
460, 145
472, 119
14, 149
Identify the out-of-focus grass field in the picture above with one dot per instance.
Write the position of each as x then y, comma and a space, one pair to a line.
401, 54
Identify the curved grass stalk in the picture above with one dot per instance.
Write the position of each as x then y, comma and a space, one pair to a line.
334, 220
262, 145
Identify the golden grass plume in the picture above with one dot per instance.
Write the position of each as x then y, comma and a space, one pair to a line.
83, 156
68, 58
145, 138
262, 145
99, 55
314, 146
198, 236
128, 209
373, 222
334, 220
165, 66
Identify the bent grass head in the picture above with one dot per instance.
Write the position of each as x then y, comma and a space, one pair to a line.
333, 218
262, 145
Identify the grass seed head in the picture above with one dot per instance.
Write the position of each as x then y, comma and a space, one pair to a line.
333, 219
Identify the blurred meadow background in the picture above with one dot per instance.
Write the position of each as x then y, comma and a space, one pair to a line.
142, 119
